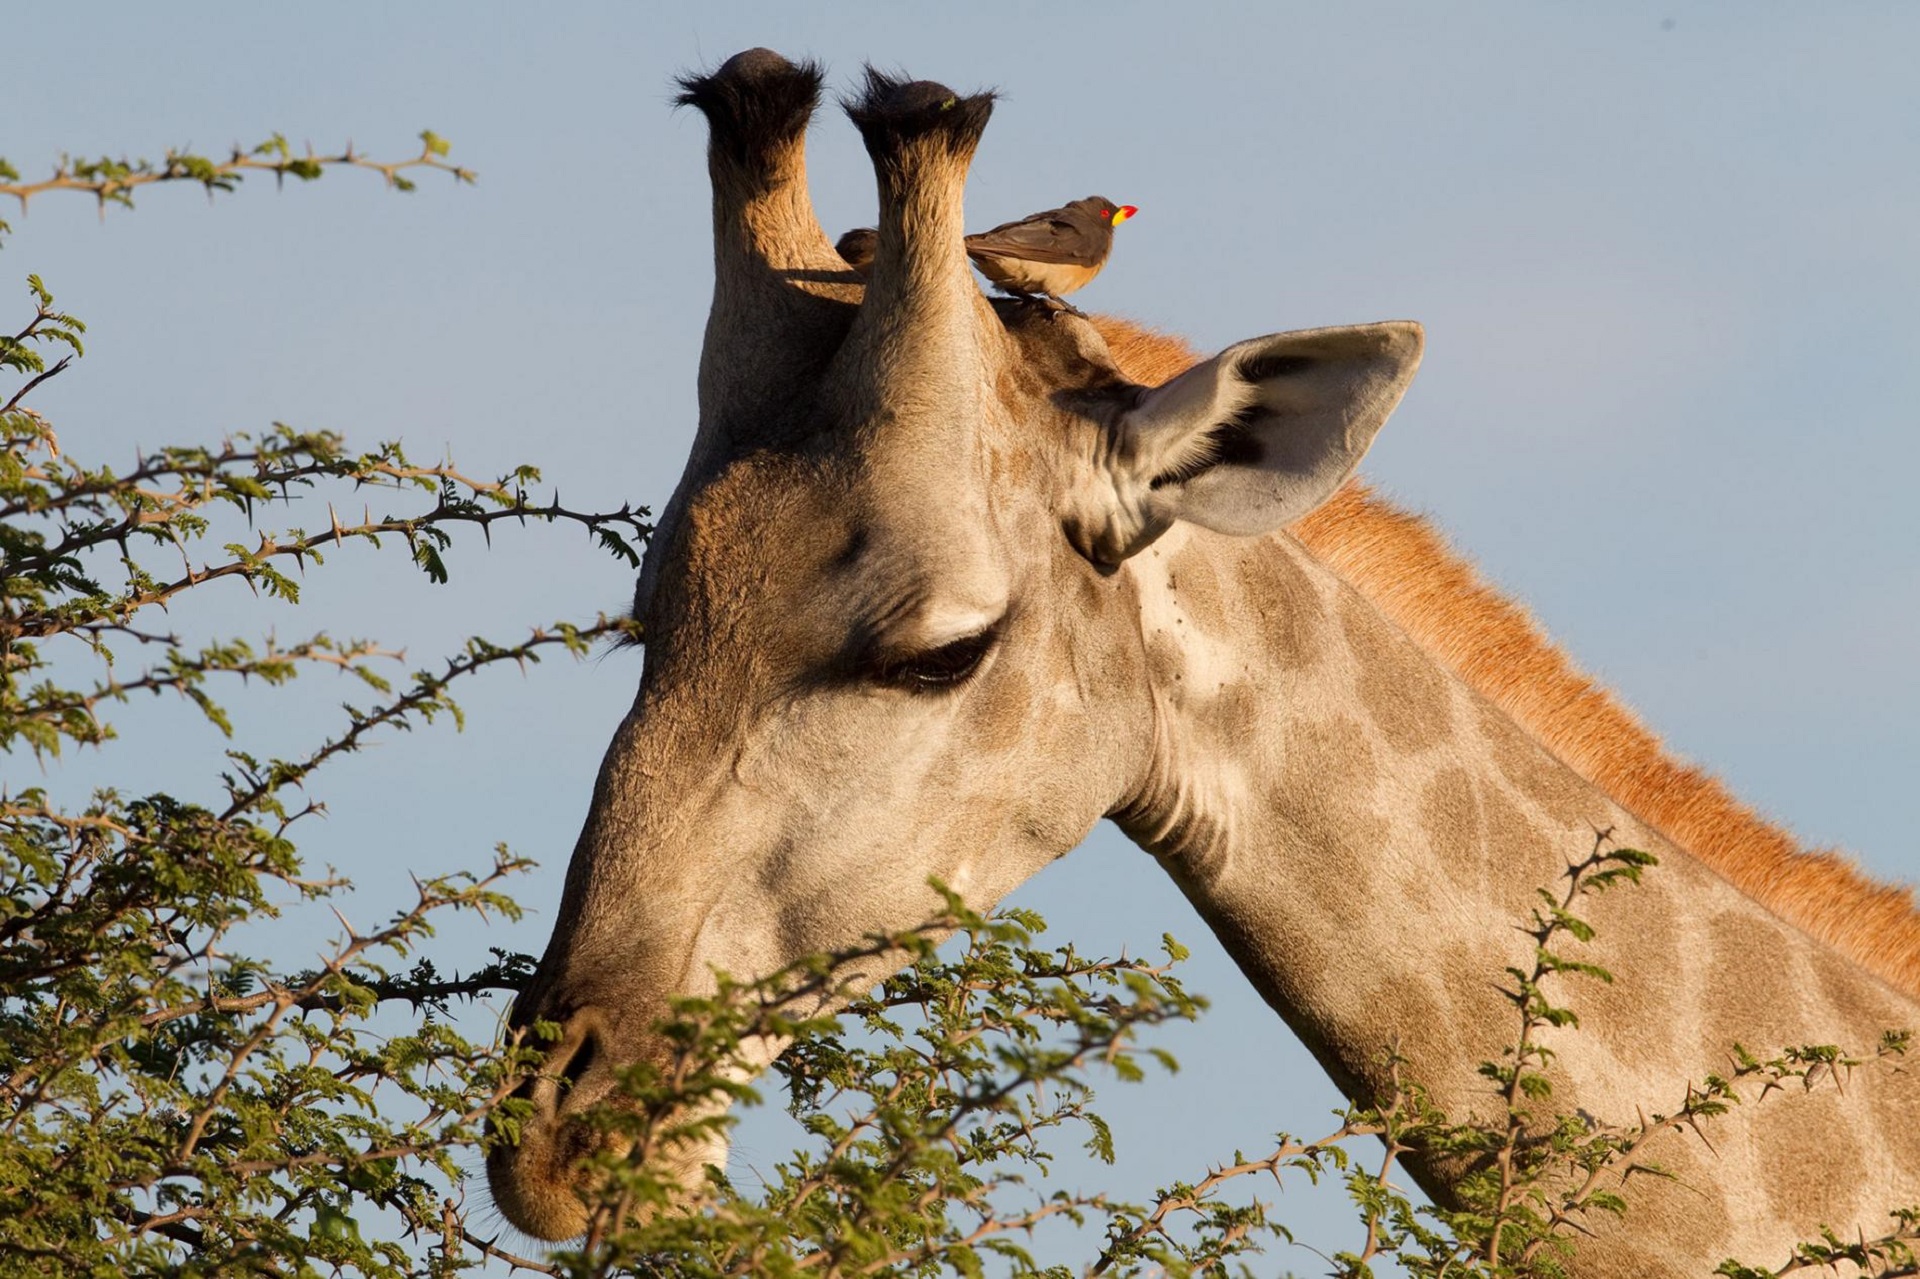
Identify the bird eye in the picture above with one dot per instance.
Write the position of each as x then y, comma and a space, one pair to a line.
937, 668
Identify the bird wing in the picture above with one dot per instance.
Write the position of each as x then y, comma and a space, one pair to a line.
1044, 237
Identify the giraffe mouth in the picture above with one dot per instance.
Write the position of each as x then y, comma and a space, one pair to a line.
563, 1180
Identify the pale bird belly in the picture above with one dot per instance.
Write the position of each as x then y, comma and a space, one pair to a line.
1034, 277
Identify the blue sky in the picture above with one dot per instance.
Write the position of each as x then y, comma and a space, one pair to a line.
1665, 255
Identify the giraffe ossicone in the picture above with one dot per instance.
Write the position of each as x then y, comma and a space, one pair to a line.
944, 583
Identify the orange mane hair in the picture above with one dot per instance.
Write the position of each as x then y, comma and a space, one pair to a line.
1407, 570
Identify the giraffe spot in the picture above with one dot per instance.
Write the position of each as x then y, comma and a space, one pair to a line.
1473, 825
1808, 1157
1193, 577
1852, 994
1561, 793
1165, 657
1276, 590
1450, 819
1750, 991
1407, 696
1415, 1010
1670, 1221
1326, 808
1239, 709
1462, 967
1009, 468
1638, 938
1509, 831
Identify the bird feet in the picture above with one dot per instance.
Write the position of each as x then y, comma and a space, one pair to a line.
1051, 304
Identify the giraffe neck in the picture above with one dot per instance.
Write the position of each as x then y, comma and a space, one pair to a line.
1364, 831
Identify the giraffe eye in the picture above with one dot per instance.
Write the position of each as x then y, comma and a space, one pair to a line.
937, 668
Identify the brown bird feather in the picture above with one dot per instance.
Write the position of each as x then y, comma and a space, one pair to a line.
1053, 252
857, 247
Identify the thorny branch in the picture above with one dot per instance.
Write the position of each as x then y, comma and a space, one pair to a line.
111, 181
427, 696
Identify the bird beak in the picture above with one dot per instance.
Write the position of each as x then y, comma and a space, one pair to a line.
1122, 213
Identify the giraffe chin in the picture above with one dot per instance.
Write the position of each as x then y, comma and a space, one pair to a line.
542, 1186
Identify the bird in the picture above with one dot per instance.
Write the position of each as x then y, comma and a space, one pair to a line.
1050, 253
857, 247
1045, 254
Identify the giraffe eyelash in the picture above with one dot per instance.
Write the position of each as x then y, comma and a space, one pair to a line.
935, 669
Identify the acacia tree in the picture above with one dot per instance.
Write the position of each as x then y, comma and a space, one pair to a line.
169, 1103
173, 1105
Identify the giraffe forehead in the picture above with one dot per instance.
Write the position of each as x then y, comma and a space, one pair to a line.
776, 549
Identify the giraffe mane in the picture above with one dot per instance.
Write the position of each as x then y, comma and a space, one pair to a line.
1406, 569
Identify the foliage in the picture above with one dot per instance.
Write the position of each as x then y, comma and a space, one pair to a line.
926, 1115
168, 1103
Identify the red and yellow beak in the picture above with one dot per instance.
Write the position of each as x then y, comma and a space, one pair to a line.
1122, 213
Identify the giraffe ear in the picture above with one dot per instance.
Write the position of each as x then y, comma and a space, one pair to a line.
1250, 440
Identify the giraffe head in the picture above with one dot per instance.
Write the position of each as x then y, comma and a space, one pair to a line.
891, 634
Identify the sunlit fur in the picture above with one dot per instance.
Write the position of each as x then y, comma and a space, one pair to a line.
1406, 569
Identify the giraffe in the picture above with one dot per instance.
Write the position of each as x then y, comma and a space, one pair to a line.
947, 581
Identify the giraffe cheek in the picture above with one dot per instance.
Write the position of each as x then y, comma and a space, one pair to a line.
999, 720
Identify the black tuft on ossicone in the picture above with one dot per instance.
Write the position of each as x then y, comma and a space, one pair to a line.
893, 111
756, 104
